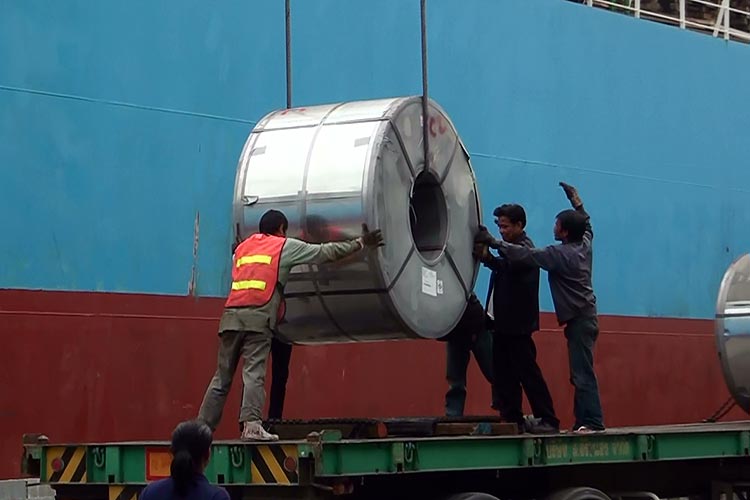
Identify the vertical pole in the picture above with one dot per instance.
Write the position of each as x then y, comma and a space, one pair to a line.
638, 9
719, 19
682, 14
425, 94
727, 14
288, 15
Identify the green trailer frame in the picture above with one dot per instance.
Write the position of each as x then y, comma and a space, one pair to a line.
698, 456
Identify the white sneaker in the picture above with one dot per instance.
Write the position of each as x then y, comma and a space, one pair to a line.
254, 431
587, 430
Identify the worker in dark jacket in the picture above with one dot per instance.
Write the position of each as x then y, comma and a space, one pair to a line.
467, 337
513, 315
569, 270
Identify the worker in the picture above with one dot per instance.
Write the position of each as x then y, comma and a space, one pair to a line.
513, 315
317, 230
467, 337
569, 271
281, 356
191, 451
255, 305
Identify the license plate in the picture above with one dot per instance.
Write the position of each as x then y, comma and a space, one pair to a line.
158, 461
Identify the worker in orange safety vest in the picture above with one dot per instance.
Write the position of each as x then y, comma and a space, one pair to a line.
255, 305
316, 230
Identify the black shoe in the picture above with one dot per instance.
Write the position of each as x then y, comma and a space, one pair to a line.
543, 428
529, 422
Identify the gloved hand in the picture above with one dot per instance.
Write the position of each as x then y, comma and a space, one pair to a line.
481, 252
484, 237
572, 194
371, 239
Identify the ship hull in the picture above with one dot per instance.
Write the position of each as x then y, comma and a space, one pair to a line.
108, 367
119, 147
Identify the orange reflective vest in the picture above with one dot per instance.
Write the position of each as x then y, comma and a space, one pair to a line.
255, 271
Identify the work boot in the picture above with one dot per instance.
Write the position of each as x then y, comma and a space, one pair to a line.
254, 431
529, 422
542, 428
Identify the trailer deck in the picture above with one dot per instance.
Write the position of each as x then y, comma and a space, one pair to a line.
329, 462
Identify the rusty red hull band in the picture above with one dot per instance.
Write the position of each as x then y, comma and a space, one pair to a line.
108, 367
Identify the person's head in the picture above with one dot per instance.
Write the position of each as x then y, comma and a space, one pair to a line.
570, 225
191, 450
273, 223
511, 220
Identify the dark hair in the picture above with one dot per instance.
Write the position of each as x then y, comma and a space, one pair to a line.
191, 442
574, 223
271, 221
514, 213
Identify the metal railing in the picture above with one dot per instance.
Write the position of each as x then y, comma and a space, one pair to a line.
729, 19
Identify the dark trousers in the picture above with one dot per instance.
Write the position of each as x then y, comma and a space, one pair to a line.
516, 369
581, 334
281, 355
459, 350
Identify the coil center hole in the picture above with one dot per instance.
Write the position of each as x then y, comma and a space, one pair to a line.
428, 216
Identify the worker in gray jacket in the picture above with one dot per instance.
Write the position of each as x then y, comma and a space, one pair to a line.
569, 271
255, 305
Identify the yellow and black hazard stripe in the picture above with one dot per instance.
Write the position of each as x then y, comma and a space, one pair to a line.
124, 492
66, 464
274, 464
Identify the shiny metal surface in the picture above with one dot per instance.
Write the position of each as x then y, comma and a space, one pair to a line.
329, 169
733, 329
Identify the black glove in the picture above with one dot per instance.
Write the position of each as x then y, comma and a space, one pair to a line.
484, 237
481, 252
372, 238
572, 194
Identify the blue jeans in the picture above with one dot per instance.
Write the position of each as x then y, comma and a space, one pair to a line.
459, 351
587, 407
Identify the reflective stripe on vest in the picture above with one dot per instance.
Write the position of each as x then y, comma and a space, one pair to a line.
249, 284
255, 272
254, 259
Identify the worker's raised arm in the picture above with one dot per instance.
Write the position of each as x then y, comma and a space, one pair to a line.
575, 201
496, 264
546, 258
299, 252
482, 253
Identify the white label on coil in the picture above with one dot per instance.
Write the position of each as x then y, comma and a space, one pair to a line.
429, 282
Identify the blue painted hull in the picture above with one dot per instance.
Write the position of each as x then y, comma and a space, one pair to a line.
121, 126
